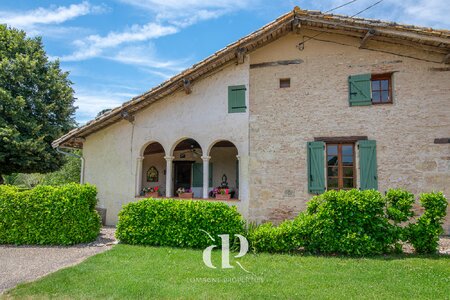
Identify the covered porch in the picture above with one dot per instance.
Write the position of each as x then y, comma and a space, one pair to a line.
188, 171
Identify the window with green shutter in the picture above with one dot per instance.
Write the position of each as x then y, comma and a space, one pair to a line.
316, 166
359, 90
368, 89
210, 181
197, 175
368, 164
236, 99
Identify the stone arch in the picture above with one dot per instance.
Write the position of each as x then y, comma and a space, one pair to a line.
224, 166
144, 147
151, 156
221, 141
183, 142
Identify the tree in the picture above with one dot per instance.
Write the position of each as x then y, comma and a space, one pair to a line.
69, 172
36, 105
103, 111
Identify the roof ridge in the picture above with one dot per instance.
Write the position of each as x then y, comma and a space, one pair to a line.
318, 13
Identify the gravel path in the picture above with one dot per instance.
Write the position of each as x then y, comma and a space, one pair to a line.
20, 264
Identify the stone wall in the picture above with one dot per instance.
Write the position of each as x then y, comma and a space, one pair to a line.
282, 121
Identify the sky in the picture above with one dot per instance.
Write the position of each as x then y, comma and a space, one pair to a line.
117, 49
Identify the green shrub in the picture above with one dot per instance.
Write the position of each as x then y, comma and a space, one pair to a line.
177, 223
424, 235
348, 222
268, 238
399, 205
48, 215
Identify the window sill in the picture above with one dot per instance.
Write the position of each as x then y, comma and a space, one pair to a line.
382, 103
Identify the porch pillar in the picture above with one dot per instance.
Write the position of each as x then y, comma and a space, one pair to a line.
169, 160
238, 175
139, 162
206, 176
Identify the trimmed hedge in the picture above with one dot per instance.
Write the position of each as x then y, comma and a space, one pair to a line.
285, 238
424, 235
48, 215
356, 223
349, 222
177, 223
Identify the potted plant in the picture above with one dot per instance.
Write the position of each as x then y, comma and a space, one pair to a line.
223, 194
150, 192
185, 193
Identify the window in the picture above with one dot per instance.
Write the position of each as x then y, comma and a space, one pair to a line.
236, 99
340, 166
285, 83
340, 171
381, 88
368, 89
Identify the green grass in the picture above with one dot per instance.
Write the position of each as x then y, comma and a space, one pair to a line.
148, 272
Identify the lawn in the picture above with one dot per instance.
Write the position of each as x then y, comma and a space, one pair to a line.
149, 272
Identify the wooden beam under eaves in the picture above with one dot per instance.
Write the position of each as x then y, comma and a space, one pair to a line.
296, 25
240, 55
366, 38
187, 86
446, 59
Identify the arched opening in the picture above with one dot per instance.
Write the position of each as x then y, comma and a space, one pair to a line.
224, 171
188, 169
153, 177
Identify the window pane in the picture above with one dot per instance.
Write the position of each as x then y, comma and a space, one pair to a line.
332, 160
384, 84
385, 96
332, 183
333, 171
347, 160
375, 85
348, 171
347, 150
332, 149
376, 96
348, 182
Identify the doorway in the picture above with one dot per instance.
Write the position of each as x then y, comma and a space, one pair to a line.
183, 174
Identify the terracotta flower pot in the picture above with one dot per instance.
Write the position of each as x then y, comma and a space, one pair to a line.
223, 197
152, 195
186, 195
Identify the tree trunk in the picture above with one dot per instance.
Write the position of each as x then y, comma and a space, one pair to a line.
1, 179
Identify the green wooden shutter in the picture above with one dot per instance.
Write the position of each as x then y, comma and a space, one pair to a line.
197, 175
236, 99
368, 164
316, 166
210, 183
359, 89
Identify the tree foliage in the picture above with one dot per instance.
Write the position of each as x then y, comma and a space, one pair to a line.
36, 105
69, 173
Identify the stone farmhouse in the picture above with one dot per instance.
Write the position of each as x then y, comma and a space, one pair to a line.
310, 102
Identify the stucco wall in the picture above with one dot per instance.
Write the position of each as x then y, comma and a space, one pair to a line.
112, 153
282, 121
